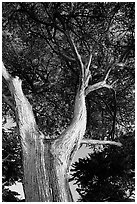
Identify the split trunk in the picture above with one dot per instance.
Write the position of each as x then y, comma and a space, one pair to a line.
46, 162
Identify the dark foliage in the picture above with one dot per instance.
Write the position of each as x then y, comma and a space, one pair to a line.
107, 175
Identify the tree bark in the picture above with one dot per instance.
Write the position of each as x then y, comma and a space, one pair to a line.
46, 163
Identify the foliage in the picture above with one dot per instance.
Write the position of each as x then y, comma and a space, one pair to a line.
107, 175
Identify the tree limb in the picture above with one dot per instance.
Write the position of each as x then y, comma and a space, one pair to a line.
99, 85
87, 72
106, 77
100, 142
89, 63
24, 114
5, 159
77, 55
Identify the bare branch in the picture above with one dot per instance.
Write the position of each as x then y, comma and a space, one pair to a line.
106, 77
100, 142
96, 86
90, 58
77, 55
5, 159
99, 85
114, 83
87, 72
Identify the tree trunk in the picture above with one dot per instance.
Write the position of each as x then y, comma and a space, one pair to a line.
46, 162
44, 176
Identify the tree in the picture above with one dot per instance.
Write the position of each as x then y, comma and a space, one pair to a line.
48, 45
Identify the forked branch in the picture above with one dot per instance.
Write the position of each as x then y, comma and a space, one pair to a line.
74, 48
77, 57
99, 85
84, 71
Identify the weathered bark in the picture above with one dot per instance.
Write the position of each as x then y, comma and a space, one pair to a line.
46, 163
